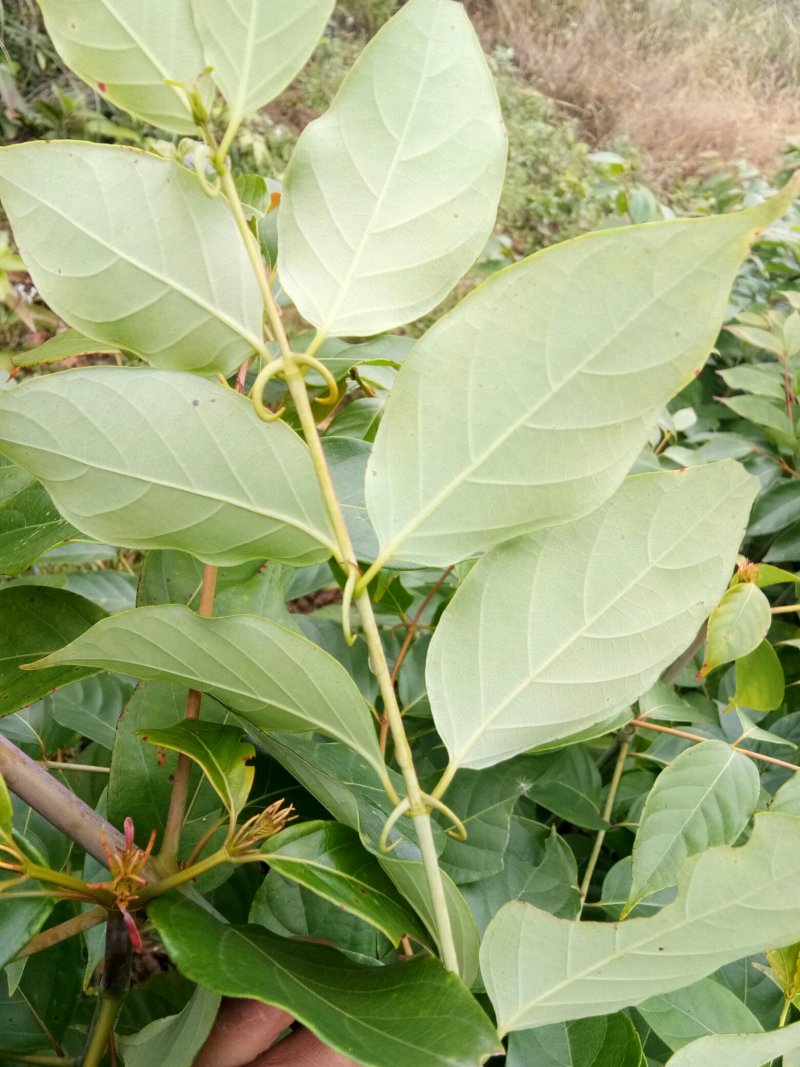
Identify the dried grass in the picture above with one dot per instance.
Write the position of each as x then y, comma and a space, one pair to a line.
682, 80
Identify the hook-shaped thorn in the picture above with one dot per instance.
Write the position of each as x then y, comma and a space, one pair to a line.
272, 370
383, 840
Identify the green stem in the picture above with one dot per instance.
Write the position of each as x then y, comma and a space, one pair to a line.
188, 874
622, 755
345, 556
180, 787
77, 925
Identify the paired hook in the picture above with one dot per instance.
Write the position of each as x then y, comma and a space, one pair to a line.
458, 830
279, 368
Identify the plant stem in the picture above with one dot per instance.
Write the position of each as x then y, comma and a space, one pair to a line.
644, 724
180, 786
114, 986
622, 755
345, 556
77, 925
188, 874
54, 765
59, 805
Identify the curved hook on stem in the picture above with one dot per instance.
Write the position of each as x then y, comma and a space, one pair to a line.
272, 370
383, 840
458, 829
304, 360
347, 601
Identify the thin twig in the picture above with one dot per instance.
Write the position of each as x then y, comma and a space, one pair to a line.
77, 925
696, 737
180, 786
624, 745
55, 765
410, 632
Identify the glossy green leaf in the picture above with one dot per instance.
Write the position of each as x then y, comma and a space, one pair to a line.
29, 526
175, 1040
255, 49
409, 877
48, 992
737, 625
380, 1016
705, 1007
177, 288
644, 569
291, 910
738, 1050
484, 802
91, 707
33, 622
390, 196
566, 783
156, 459
140, 784
222, 753
270, 676
64, 345
769, 414
590, 339
705, 797
760, 683
777, 507
610, 1041
597, 968
538, 867
127, 52
329, 859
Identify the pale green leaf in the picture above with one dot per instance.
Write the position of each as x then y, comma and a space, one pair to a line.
528, 404
127, 51
760, 683
176, 287
705, 1007
175, 1040
737, 625
705, 797
758, 338
390, 196
221, 751
272, 677
787, 798
738, 1050
611, 1041
157, 459
393, 1016
644, 570
255, 48
763, 412
763, 379
732, 902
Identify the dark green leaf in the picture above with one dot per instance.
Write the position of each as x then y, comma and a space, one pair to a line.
33, 622
391, 1016
330, 860
222, 753
538, 867
609, 1041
